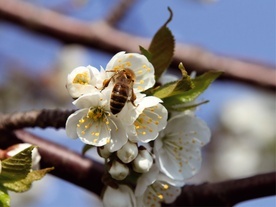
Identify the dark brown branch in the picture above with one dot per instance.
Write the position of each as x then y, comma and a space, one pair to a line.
43, 118
103, 36
228, 193
69, 165
86, 173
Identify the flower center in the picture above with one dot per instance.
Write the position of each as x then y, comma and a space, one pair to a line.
81, 78
96, 113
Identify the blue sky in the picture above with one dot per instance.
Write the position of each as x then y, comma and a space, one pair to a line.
243, 29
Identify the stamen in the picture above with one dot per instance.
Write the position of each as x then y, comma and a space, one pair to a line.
81, 78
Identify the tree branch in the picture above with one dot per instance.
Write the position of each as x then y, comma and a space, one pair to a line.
102, 36
41, 118
228, 193
86, 173
69, 166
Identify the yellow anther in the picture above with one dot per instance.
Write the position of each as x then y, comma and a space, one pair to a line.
165, 186
160, 196
81, 78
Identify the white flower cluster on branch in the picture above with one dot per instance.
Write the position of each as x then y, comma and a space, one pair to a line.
148, 157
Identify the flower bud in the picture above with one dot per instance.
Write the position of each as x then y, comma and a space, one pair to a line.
128, 152
143, 162
103, 152
118, 170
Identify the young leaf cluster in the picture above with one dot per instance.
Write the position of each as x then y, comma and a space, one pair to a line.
175, 94
16, 175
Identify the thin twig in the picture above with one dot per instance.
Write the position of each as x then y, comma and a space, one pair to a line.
86, 173
103, 36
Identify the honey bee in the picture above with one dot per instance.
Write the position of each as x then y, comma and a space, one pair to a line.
122, 90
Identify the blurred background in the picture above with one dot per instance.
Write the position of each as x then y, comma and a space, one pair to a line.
33, 70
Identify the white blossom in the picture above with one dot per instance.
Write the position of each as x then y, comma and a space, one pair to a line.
94, 124
84, 80
152, 189
138, 63
121, 197
178, 147
150, 117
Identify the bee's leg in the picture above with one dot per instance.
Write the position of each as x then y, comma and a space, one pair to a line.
133, 97
105, 83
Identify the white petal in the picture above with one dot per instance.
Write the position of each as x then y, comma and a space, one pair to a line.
166, 192
91, 99
179, 155
173, 182
158, 113
151, 198
149, 123
123, 197
114, 59
142, 68
192, 125
118, 135
83, 71
145, 180
93, 132
80, 81
147, 102
72, 121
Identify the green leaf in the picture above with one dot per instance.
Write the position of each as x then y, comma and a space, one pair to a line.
187, 106
17, 167
175, 87
86, 148
162, 48
25, 184
146, 53
201, 83
4, 197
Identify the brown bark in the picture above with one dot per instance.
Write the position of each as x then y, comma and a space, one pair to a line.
87, 173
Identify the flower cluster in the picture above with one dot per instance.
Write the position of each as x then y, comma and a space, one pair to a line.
148, 157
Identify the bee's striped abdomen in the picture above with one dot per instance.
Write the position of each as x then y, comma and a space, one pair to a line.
119, 97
